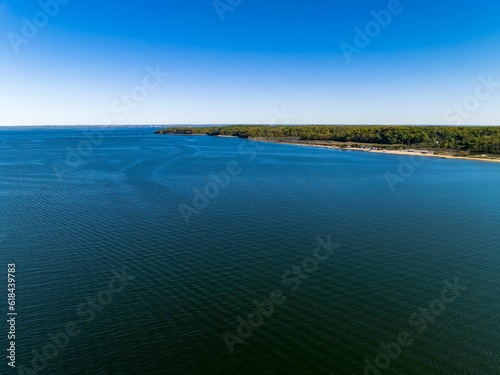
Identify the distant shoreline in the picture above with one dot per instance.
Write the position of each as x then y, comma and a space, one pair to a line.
371, 149
445, 142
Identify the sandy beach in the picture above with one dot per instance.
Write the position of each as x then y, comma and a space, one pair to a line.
407, 152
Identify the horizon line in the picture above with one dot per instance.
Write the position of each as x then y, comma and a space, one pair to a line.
224, 124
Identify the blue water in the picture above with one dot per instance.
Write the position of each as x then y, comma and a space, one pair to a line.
80, 207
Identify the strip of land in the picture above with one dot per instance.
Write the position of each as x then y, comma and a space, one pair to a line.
479, 143
442, 154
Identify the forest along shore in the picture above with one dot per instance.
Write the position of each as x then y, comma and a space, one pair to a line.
481, 143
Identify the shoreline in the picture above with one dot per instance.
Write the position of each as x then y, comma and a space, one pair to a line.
407, 152
372, 149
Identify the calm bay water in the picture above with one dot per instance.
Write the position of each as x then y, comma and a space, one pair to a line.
72, 219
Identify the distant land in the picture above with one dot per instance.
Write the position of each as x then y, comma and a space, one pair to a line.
465, 142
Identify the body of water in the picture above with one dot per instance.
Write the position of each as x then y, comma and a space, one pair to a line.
143, 254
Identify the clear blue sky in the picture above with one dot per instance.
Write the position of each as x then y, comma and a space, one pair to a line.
264, 56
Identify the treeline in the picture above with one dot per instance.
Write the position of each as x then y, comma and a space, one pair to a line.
474, 139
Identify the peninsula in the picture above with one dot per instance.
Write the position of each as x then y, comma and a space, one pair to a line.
465, 142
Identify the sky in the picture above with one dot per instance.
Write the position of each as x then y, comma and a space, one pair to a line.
78, 62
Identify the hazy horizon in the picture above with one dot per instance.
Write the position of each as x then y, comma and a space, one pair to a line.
210, 125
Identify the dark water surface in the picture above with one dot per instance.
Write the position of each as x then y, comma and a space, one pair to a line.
74, 214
